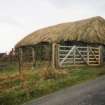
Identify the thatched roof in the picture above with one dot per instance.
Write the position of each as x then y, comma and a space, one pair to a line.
90, 30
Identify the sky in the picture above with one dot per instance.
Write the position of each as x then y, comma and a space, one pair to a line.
18, 18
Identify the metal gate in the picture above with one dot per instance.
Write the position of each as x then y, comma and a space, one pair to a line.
78, 55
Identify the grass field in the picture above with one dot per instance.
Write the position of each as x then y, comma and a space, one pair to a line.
16, 88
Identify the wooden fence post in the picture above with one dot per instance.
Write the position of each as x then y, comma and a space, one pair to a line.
20, 54
101, 54
88, 55
56, 55
33, 56
74, 55
53, 55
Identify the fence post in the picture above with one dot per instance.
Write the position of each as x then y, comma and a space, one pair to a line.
33, 57
20, 55
100, 55
88, 55
53, 55
74, 55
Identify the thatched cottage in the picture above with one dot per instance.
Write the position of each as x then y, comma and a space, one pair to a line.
63, 45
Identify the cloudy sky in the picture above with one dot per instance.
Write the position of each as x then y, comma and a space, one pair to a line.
21, 17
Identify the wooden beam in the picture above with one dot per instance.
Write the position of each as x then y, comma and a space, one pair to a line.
57, 55
70, 51
97, 59
101, 54
20, 54
81, 56
74, 56
88, 55
53, 55
33, 56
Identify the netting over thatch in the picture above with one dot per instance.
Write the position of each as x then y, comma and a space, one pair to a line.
90, 30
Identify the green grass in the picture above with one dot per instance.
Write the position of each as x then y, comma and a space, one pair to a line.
9, 70
38, 86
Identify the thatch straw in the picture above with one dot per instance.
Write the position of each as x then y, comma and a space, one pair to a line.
90, 30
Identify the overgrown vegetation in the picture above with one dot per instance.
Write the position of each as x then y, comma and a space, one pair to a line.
16, 89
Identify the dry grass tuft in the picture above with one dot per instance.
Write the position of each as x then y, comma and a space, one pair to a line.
49, 73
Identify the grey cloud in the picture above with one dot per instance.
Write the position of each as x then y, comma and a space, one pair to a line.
68, 3
11, 21
60, 3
